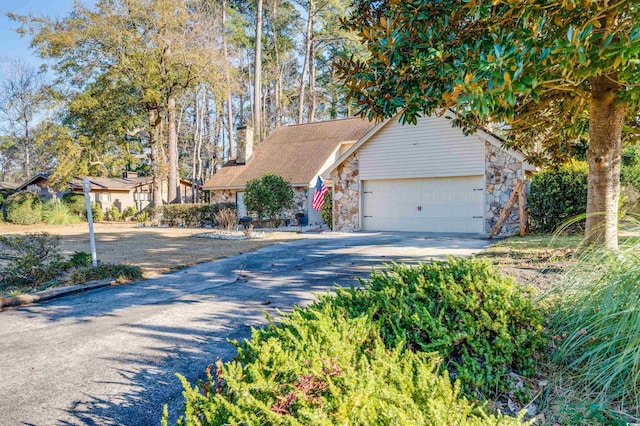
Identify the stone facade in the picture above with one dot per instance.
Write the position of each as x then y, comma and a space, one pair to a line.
346, 195
300, 204
503, 171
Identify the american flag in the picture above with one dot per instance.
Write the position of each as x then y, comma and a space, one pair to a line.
318, 196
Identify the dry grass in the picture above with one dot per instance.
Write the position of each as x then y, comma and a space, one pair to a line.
154, 250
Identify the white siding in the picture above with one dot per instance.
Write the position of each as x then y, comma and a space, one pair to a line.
429, 149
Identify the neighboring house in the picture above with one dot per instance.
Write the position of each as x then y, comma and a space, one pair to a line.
298, 153
129, 191
428, 177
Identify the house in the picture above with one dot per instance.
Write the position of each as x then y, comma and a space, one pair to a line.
428, 177
298, 153
130, 190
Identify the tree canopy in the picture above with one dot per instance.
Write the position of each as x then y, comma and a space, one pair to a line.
550, 74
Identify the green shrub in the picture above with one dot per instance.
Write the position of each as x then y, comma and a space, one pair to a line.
192, 215
121, 273
327, 210
143, 216
269, 197
558, 195
96, 212
129, 212
80, 258
321, 368
31, 259
113, 213
23, 208
57, 213
481, 323
76, 203
596, 325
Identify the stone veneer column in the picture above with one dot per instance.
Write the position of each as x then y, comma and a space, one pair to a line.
502, 171
346, 195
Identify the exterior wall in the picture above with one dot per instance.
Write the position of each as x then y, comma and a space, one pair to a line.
502, 172
223, 196
346, 195
432, 148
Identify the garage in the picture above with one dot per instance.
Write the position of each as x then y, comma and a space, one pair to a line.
439, 204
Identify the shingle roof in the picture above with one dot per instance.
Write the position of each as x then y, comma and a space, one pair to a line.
294, 152
103, 183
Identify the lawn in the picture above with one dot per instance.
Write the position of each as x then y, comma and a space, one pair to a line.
153, 250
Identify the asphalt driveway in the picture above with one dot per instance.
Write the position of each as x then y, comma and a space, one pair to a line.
109, 356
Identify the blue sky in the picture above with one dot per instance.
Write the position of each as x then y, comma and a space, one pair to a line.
11, 45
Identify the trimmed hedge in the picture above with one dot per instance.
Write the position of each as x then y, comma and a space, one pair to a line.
557, 196
76, 203
23, 208
191, 215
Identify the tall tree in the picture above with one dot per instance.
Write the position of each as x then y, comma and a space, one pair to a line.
532, 63
257, 74
150, 43
24, 94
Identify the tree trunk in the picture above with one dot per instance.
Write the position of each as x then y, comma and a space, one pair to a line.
312, 80
606, 118
172, 148
27, 153
305, 65
257, 78
227, 81
156, 156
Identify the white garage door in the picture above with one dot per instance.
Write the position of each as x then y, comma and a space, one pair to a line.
448, 204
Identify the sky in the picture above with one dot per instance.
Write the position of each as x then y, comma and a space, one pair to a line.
12, 46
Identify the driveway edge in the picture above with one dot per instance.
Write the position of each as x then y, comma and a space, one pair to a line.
54, 293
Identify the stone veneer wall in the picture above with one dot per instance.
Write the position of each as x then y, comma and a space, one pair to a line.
346, 195
300, 204
502, 171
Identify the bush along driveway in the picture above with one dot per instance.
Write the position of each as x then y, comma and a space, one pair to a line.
110, 356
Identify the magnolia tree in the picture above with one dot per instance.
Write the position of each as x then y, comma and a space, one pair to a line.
553, 74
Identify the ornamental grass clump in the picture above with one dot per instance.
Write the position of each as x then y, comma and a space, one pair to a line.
480, 323
596, 326
321, 367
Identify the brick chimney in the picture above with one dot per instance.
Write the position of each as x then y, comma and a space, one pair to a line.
245, 144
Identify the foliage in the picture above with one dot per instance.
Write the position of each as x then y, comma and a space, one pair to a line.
121, 273
32, 259
76, 202
56, 213
322, 367
596, 325
269, 197
23, 208
479, 322
113, 213
327, 210
630, 172
97, 214
226, 218
557, 195
80, 258
129, 212
192, 214
143, 216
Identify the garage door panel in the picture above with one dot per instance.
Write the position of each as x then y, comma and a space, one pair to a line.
447, 204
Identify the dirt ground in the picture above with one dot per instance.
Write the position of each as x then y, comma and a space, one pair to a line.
154, 250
